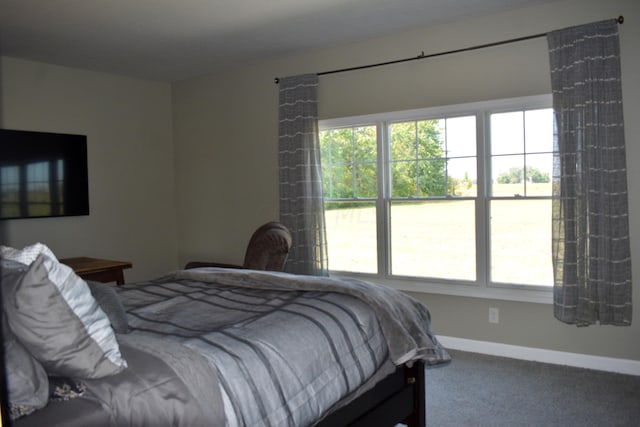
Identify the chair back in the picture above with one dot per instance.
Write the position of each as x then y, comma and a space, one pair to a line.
268, 247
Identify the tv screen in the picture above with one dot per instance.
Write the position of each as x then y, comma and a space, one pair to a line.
43, 174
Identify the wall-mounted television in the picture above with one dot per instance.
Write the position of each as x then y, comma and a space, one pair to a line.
43, 174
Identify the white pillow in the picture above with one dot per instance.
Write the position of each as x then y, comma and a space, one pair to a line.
28, 254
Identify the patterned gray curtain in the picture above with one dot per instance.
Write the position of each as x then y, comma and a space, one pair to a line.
591, 248
301, 198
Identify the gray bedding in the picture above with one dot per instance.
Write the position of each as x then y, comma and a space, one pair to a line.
153, 391
229, 347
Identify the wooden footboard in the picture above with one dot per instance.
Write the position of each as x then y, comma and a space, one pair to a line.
399, 398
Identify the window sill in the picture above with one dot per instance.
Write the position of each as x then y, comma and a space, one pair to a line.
539, 296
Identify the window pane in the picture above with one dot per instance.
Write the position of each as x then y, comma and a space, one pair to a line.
462, 177
461, 136
507, 133
418, 159
539, 172
539, 131
338, 182
351, 236
366, 181
521, 242
430, 139
508, 176
528, 137
403, 140
433, 239
432, 178
349, 162
365, 144
335, 146
403, 179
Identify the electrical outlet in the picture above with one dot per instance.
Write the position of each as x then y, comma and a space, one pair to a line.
494, 315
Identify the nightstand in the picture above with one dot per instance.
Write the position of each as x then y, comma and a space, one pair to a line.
100, 270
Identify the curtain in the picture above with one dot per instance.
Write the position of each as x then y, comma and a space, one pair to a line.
301, 198
591, 248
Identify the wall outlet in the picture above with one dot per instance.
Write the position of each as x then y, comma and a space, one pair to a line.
494, 315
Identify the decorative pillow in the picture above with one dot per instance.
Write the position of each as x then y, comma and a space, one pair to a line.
26, 379
27, 383
109, 301
53, 314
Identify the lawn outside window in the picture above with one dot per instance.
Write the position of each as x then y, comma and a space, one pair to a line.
453, 199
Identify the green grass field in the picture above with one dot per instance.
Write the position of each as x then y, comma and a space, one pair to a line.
437, 239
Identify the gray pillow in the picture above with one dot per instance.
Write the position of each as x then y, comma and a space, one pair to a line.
27, 381
53, 314
109, 301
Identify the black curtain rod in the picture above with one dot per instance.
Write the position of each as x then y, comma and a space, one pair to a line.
619, 20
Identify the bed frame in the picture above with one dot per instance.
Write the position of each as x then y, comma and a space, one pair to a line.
398, 398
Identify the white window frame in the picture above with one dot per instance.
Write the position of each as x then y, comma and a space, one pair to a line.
479, 289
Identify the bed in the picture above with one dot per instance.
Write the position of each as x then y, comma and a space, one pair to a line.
214, 346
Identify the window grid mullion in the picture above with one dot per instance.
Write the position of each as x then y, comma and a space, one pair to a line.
446, 159
524, 153
483, 216
354, 169
383, 207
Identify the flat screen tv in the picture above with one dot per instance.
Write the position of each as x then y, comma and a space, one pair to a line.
43, 174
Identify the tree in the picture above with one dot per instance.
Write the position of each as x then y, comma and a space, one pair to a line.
349, 158
515, 175
536, 175
418, 163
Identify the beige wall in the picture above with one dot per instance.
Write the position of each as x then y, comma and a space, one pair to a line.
226, 137
130, 155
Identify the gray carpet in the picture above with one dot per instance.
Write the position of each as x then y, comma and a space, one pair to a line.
479, 390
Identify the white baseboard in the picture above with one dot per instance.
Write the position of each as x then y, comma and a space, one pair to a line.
600, 363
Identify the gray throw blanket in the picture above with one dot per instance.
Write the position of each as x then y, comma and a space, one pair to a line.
405, 322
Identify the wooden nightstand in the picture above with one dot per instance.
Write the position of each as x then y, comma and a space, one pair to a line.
100, 270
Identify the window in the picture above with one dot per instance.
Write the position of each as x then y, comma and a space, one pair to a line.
452, 195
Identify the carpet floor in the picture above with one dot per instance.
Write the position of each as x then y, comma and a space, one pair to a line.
479, 390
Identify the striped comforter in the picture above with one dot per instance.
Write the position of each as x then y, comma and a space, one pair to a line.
285, 348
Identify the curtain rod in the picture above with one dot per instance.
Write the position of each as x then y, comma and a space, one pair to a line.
619, 20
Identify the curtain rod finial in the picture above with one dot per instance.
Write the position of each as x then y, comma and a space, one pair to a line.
620, 19
276, 80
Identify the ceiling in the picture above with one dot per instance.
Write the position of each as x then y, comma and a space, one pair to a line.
178, 39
